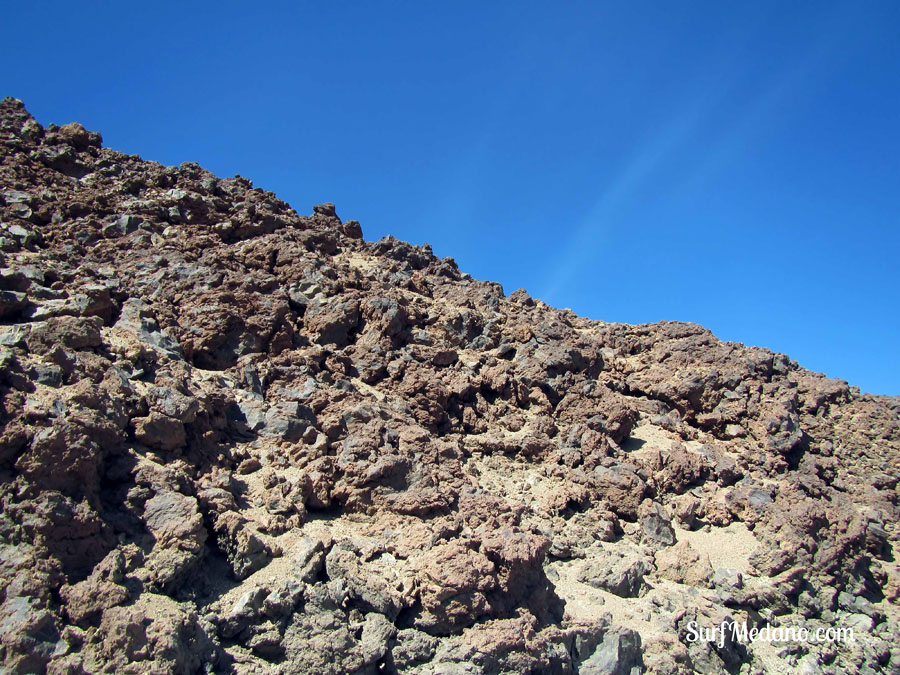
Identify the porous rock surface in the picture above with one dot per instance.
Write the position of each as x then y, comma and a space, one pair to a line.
238, 439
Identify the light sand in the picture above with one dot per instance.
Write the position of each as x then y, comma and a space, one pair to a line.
728, 547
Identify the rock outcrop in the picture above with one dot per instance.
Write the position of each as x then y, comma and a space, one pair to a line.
238, 439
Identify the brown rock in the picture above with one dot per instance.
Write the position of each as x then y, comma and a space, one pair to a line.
453, 587
185, 356
683, 565
160, 432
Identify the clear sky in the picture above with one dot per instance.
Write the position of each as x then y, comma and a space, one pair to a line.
732, 164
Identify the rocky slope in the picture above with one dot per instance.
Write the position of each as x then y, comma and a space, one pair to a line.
237, 439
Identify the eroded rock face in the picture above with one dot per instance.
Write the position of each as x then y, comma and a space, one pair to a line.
238, 439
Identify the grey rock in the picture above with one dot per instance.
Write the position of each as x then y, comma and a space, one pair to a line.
12, 302
33, 633
727, 578
362, 584
861, 624
137, 318
249, 603
619, 653
17, 231
809, 665
172, 403
283, 599
445, 357
411, 647
656, 527
50, 375
619, 572
21, 278
17, 197
179, 535
124, 224
759, 498
14, 335
286, 420
309, 559
376, 633
859, 605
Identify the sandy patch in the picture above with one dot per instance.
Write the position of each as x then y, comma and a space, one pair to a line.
728, 547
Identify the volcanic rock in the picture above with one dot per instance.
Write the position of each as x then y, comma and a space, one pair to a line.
238, 439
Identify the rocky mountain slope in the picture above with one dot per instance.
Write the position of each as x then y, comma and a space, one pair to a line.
237, 439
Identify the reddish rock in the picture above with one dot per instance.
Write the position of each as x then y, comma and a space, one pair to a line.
195, 379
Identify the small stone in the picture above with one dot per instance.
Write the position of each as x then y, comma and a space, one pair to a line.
309, 559
248, 466
445, 357
17, 197
17, 231
11, 302
124, 224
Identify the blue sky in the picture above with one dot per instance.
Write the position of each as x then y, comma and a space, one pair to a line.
732, 164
